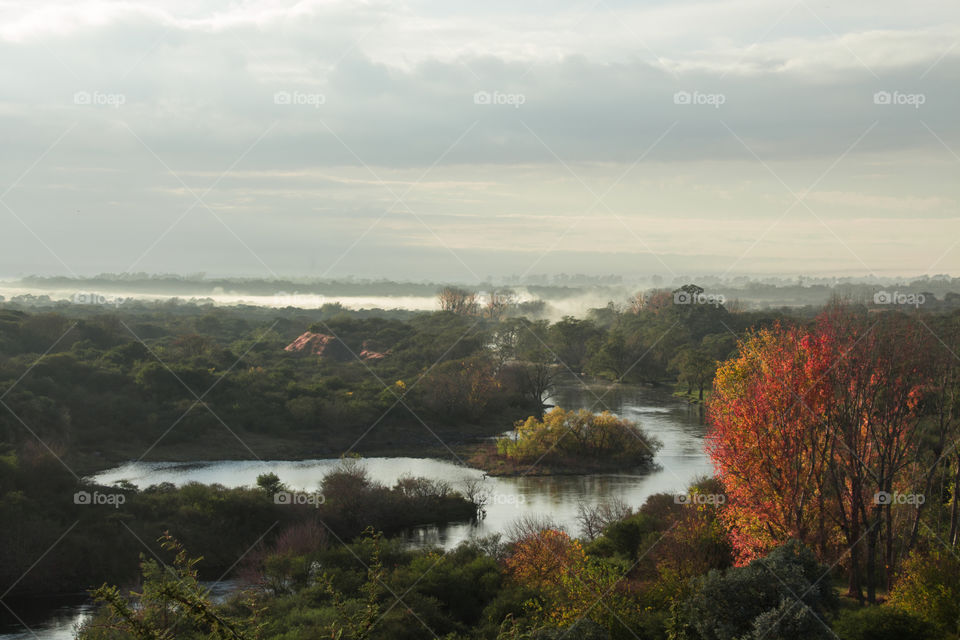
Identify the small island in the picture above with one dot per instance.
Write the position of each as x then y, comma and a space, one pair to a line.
567, 443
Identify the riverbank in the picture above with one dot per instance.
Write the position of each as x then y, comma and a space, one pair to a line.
406, 440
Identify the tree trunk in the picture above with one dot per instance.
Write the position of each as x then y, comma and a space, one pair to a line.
855, 587
954, 508
888, 564
872, 534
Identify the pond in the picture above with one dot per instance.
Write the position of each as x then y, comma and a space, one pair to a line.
675, 423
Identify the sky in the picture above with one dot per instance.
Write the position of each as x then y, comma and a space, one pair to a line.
459, 141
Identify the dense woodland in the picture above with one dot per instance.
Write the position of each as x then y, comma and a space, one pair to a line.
833, 512
109, 383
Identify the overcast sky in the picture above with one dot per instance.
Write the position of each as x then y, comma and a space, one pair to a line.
452, 141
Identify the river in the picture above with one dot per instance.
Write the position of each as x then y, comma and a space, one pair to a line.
673, 422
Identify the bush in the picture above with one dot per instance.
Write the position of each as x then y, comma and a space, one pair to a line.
929, 588
778, 597
579, 434
884, 623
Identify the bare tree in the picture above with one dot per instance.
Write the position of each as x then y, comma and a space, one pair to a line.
594, 519
458, 301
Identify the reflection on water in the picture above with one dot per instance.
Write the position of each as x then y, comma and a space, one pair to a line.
45, 618
675, 423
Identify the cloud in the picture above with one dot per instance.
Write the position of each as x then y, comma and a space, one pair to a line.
325, 124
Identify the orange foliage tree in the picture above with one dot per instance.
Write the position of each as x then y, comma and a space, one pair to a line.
809, 426
572, 585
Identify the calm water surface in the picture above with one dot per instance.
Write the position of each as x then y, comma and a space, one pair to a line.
681, 459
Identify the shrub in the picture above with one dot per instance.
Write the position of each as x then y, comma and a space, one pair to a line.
579, 434
778, 597
929, 588
884, 623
